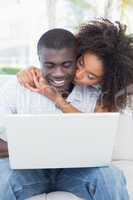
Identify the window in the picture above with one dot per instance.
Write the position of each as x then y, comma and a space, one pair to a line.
24, 21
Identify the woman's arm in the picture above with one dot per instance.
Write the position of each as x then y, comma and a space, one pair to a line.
32, 79
25, 76
45, 89
65, 106
100, 108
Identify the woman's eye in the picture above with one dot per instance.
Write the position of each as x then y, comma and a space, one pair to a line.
91, 77
81, 62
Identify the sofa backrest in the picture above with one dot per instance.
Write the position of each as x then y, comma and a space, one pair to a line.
123, 148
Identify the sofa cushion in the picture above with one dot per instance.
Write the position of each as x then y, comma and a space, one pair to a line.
127, 168
123, 148
38, 197
61, 196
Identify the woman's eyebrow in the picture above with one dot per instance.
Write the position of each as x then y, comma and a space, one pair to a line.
95, 75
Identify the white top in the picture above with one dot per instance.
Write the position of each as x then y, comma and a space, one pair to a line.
15, 99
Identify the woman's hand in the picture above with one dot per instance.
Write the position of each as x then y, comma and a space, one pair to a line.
33, 80
42, 87
25, 77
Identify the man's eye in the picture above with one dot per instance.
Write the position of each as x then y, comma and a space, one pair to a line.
69, 64
49, 66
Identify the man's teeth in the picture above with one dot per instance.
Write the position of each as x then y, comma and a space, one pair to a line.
58, 83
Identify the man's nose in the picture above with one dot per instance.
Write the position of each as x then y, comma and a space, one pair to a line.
59, 72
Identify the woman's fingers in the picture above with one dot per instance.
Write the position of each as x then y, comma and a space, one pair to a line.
22, 78
33, 89
25, 76
36, 81
29, 77
38, 72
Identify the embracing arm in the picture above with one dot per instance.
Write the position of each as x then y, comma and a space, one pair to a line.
65, 106
32, 79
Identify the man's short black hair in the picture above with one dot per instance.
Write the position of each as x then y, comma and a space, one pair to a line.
57, 39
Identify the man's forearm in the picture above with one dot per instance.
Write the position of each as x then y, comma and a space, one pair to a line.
3, 148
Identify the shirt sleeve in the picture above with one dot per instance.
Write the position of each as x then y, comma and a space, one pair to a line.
84, 98
129, 105
8, 99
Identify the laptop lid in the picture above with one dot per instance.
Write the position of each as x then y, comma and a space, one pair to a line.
61, 140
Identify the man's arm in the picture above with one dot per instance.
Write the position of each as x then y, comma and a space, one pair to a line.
7, 105
3, 148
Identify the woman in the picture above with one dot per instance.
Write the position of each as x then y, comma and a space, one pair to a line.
105, 61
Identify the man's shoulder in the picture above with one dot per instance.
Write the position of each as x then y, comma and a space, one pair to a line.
85, 90
8, 78
77, 93
8, 84
12, 84
79, 89
12, 88
83, 93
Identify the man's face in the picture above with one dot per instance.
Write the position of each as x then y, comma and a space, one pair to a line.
58, 67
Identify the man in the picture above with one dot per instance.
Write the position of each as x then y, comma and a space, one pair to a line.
57, 55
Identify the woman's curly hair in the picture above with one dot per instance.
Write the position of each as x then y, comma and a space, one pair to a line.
114, 47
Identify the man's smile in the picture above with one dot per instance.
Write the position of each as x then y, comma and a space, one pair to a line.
57, 82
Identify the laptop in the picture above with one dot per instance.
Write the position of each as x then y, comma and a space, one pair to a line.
61, 140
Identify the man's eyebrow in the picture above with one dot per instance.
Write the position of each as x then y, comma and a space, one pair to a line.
51, 63
47, 62
67, 61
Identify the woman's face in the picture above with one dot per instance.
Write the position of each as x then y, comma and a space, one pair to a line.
90, 70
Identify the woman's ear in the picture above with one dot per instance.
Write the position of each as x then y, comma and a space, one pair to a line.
80, 71
79, 63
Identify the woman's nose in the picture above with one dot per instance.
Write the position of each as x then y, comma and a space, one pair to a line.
80, 74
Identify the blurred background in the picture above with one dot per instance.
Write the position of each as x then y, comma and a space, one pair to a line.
22, 22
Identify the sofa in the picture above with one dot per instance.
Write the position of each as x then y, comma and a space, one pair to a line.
122, 156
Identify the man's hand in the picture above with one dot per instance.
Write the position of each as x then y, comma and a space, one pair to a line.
3, 149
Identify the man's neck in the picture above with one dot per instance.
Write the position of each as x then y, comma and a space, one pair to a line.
66, 93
